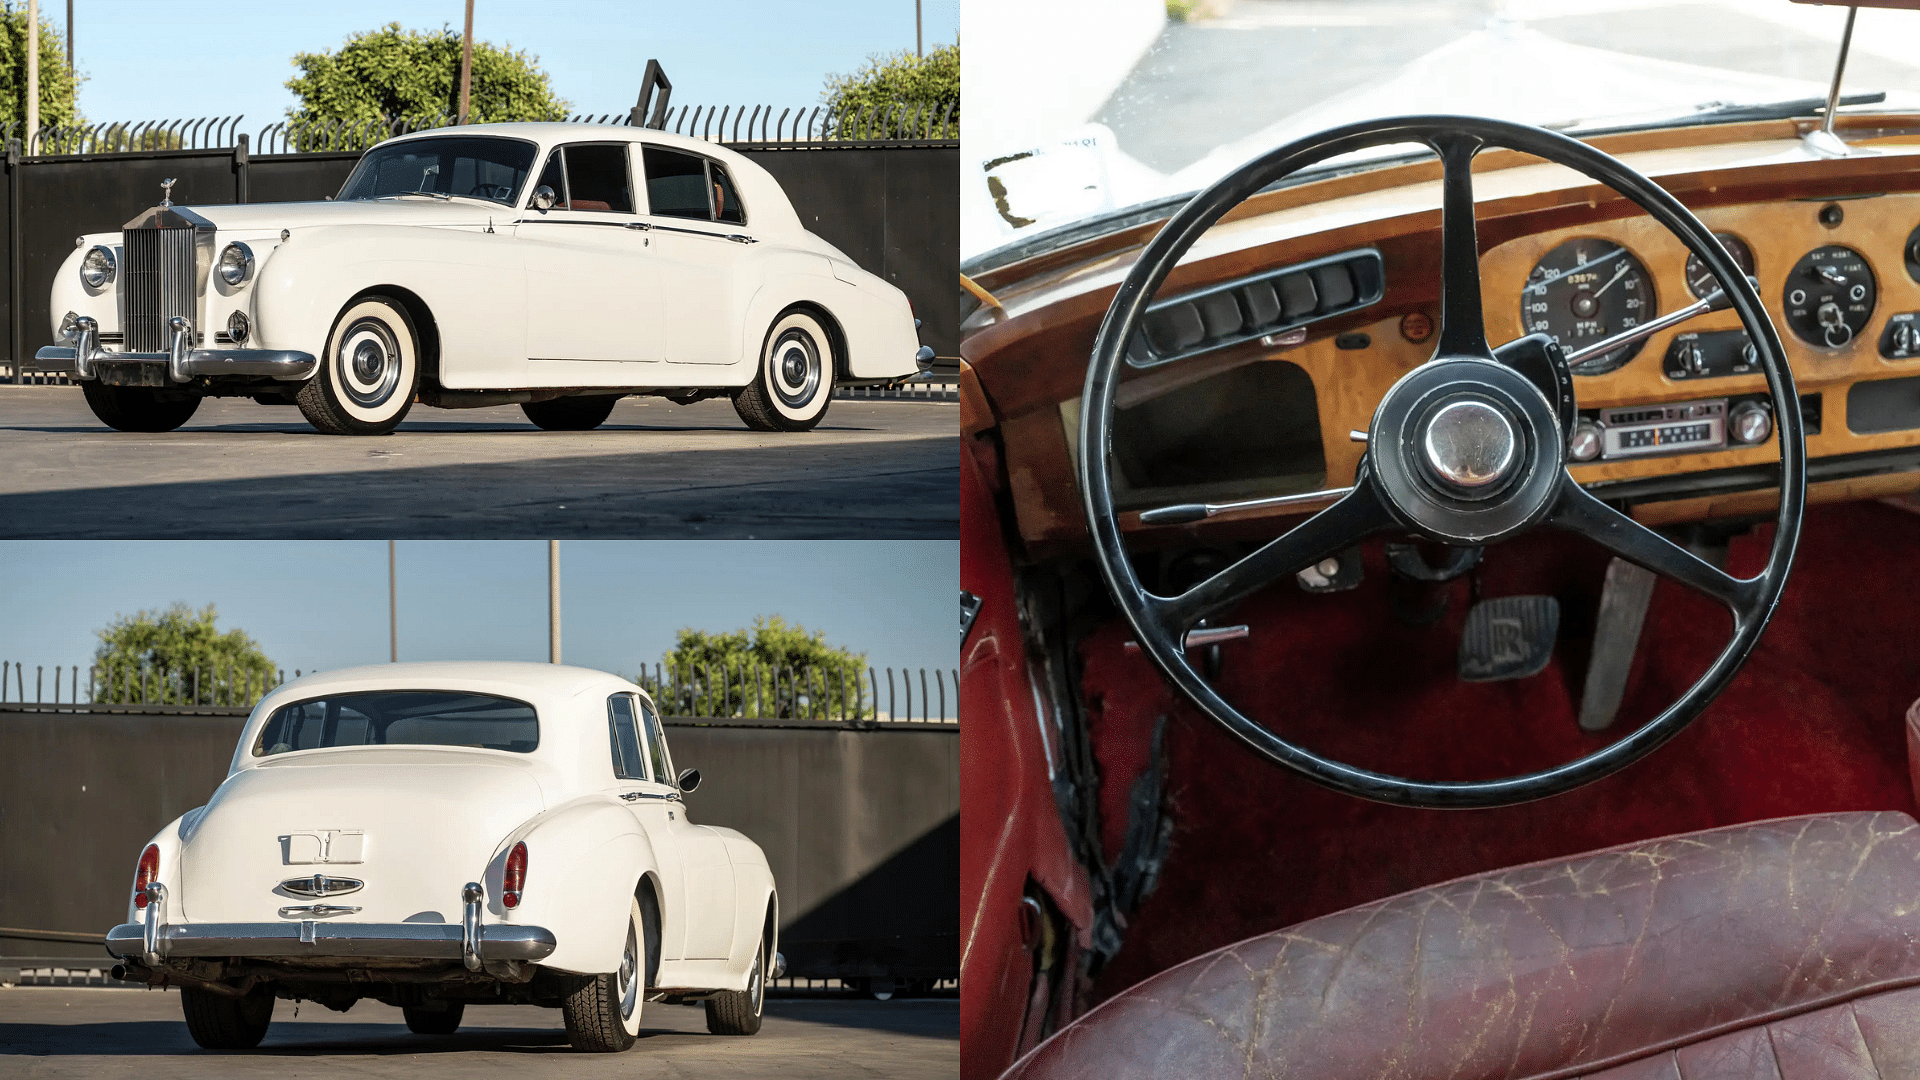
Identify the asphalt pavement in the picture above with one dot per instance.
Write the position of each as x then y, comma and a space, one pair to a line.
49, 1032
238, 470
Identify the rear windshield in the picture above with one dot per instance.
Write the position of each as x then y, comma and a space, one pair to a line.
401, 718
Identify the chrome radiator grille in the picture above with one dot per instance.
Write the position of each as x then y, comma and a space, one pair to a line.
157, 283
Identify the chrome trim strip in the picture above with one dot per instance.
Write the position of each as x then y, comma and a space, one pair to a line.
405, 941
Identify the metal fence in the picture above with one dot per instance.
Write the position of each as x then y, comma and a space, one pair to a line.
708, 691
756, 126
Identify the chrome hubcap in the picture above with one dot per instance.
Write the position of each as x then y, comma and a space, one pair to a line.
795, 368
629, 985
1470, 447
368, 363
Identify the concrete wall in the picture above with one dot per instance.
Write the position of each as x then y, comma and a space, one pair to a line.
895, 211
860, 826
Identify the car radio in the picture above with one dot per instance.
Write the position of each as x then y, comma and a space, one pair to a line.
1680, 427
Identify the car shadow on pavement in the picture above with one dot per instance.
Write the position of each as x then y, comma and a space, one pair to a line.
898, 488
936, 1018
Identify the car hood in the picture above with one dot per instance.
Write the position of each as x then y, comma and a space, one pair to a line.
270, 217
412, 826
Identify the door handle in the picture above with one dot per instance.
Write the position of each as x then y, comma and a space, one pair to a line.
640, 225
631, 795
741, 238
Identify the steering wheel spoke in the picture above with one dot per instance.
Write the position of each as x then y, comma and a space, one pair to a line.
1357, 515
1463, 329
1578, 511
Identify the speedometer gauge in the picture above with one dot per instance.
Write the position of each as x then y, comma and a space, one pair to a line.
1586, 290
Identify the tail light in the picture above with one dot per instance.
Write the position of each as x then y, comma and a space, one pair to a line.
142, 877
515, 877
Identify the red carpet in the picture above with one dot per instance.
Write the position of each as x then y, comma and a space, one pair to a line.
1813, 723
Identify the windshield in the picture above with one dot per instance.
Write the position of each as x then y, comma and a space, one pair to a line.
1079, 112
401, 718
463, 166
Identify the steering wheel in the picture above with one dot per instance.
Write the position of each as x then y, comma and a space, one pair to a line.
1466, 449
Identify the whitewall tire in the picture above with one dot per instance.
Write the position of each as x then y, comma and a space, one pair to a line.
793, 384
603, 1013
369, 374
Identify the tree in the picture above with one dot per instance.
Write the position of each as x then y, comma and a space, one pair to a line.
179, 656
775, 669
58, 83
891, 82
390, 73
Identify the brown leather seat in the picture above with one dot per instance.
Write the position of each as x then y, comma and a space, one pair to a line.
1786, 949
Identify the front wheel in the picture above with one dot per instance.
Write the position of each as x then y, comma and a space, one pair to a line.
738, 1012
138, 408
219, 1022
794, 383
369, 374
603, 1012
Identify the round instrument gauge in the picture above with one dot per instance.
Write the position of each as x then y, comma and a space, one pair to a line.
1701, 280
1584, 291
1829, 296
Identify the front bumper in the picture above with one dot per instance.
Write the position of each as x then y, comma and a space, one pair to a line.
313, 937
82, 358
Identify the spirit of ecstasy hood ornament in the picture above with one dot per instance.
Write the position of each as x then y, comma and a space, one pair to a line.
166, 192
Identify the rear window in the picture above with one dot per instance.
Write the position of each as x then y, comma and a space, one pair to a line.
401, 718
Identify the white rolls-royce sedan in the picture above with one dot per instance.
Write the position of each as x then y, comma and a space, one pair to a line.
429, 835
553, 266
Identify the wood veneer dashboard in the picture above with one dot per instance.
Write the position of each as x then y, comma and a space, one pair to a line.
1758, 182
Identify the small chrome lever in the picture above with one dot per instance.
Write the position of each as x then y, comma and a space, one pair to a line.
640, 225
1205, 635
741, 238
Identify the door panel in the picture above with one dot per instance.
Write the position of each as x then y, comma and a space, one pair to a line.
698, 285
704, 861
587, 260
647, 802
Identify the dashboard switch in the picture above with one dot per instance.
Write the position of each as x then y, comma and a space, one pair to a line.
1584, 444
1335, 285
1901, 339
1296, 295
1749, 422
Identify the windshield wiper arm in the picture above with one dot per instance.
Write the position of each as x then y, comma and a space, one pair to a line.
441, 195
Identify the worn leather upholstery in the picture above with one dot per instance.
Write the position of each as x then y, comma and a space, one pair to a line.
1787, 949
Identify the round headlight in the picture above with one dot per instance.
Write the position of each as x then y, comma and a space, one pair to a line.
236, 263
96, 269
238, 327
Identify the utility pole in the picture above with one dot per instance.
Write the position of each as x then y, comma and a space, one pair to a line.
466, 65
918, 43
553, 601
393, 609
69, 37
33, 73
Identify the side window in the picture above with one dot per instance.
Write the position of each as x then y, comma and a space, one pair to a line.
597, 178
622, 736
725, 198
555, 177
677, 184
657, 745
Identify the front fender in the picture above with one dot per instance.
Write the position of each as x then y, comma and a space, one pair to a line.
472, 284
584, 860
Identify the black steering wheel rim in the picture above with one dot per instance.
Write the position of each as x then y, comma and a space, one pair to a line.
1359, 514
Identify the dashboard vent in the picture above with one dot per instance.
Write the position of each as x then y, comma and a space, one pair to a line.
1253, 307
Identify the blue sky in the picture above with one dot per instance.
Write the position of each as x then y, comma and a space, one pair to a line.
233, 56
323, 604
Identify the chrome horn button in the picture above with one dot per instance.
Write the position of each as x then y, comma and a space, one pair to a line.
1470, 447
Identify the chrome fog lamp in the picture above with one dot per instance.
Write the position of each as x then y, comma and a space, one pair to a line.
98, 267
238, 327
236, 263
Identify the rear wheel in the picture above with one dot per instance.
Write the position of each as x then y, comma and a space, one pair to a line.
737, 1012
369, 374
137, 408
603, 1013
570, 413
444, 1021
219, 1022
794, 384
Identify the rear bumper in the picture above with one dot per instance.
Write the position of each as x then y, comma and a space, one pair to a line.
317, 938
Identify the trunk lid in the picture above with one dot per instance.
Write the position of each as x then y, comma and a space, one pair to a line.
412, 826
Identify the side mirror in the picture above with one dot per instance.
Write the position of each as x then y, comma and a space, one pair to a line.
689, 779
544, 198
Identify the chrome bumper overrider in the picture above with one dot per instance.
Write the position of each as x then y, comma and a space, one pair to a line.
182, 363
924, 358
155, 941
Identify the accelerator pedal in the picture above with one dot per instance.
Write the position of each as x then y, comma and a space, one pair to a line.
1508, 637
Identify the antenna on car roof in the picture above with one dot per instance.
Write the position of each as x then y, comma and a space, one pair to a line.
655, 78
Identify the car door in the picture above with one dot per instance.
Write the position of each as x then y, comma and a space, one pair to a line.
699, 230
653, 806
589, 296
704, 861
